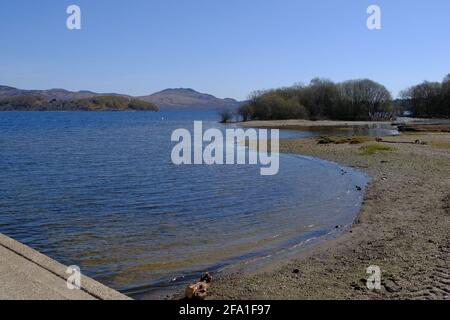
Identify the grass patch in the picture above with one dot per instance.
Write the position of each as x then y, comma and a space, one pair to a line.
372, 149
441, 144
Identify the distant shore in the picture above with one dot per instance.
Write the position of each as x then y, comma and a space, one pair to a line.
402, 226
307, 124
401, 124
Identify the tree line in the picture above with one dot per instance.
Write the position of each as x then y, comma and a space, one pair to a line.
98, 103
321, 99
353, 100
429, 99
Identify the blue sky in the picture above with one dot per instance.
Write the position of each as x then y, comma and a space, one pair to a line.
228, 48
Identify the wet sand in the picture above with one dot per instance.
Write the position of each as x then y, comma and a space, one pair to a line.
403, 227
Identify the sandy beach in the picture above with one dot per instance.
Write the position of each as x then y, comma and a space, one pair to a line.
403, 227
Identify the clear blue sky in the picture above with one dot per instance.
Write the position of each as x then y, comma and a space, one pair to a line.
224, 47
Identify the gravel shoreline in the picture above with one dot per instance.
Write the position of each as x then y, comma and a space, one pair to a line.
403, 227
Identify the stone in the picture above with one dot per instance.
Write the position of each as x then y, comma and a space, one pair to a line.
206, 277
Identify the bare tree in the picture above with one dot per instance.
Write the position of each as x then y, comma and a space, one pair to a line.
225, 116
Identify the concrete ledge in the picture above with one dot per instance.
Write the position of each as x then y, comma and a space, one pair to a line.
26, 274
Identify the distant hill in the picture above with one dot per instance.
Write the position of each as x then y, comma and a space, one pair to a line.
12, 99
168, 100
183, 99
58, 94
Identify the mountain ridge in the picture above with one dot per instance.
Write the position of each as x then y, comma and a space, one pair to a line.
171, 99
185, 98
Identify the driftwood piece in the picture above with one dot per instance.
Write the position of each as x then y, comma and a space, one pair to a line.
403, 142
199, 291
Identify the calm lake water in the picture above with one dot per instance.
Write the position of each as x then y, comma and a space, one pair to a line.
99, 190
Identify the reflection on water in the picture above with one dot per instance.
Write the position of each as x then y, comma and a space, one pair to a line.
373, 131
99, 190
